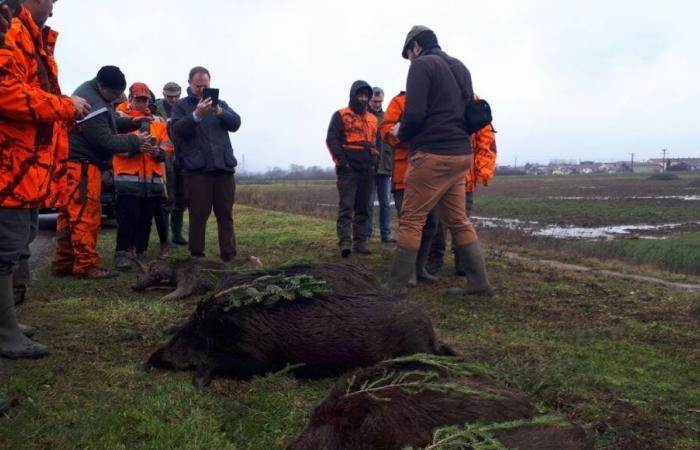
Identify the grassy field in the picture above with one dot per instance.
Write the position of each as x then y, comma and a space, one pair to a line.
574, 201
621, 358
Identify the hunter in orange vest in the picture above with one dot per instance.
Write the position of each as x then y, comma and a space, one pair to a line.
33, 154
353, 140
139, 182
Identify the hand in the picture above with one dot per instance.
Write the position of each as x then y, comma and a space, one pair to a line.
203, 108
395, 129
219, 110
143, 137
149, 148
5, 20
82, 107
139, 120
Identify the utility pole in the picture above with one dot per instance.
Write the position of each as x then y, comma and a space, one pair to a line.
632, 163
663, 167
515, 163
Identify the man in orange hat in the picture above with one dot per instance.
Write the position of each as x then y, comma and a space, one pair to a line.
138, 181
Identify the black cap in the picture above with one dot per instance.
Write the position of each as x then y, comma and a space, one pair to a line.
110, 77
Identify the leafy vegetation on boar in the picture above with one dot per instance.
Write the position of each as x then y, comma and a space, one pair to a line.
404, 402
325, 335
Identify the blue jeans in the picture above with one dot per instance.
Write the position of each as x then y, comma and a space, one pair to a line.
380, 191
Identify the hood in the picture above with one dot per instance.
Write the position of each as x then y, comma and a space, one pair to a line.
356, 87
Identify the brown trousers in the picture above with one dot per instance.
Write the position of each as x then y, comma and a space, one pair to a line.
204, 192
435, 181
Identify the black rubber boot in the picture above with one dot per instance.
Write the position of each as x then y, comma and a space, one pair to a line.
472, 261
422, 273
13, 343
460, 269
403, 268
20, 281
176, 219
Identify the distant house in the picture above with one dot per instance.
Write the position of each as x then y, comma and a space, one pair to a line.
647, 168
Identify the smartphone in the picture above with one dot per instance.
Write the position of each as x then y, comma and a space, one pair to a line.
145, 127
13, 5
213, 94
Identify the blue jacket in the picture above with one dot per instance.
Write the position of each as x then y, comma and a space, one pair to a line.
203, 146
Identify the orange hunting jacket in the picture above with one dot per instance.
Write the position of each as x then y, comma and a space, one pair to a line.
140, 164
392, 116
33, 118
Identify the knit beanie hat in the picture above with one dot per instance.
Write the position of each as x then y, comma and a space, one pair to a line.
110, 77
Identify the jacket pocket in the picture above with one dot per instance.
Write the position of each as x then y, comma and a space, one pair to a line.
193, 160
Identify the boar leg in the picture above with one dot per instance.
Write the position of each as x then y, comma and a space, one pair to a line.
184, 289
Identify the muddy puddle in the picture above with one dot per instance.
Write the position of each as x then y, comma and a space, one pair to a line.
638, 231
687, 198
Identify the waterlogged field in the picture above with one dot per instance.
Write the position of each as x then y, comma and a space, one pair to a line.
619, 357
628, 218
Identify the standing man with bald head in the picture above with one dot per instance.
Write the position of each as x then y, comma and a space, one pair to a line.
33, 151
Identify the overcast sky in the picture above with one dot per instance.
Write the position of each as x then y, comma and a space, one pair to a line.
566, 80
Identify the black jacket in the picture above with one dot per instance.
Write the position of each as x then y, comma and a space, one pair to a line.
433, 120
335, 138
98, 139
203, 146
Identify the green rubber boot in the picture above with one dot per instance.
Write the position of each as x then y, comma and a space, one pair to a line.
13, 343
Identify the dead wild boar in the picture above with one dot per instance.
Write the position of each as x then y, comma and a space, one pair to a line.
399, 404
323, 336
188, 277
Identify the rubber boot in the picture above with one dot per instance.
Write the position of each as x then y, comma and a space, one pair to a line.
403, 268
421, 261
362, 248
472, 261
176, 218
20, 281
460, 268
345, 249
14, 344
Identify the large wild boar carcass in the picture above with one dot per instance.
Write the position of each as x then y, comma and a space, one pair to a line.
422, 400
350, 322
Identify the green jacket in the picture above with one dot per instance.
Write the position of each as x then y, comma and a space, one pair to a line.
98, 138
384, 162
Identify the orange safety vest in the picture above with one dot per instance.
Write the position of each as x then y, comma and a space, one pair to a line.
360, 131
33, 118
141, 167
392, 116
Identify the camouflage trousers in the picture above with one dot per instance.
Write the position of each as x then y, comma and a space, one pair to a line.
79, 221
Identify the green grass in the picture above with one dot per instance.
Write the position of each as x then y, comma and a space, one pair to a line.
680, 253
621, 358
